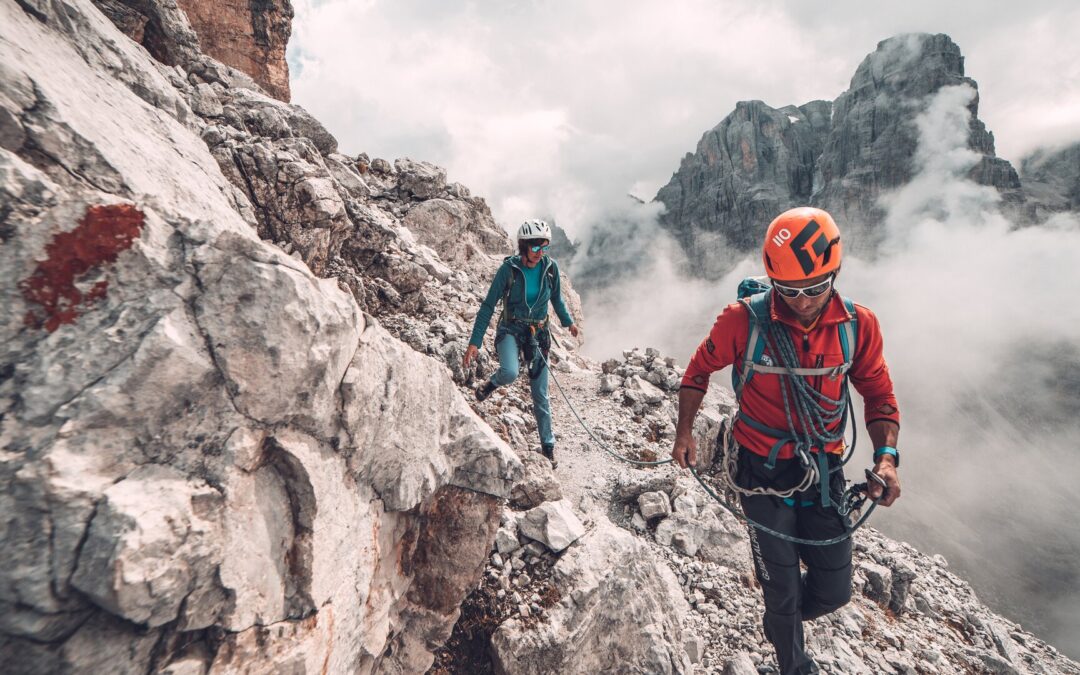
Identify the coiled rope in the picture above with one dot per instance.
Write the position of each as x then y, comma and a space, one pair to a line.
850, 503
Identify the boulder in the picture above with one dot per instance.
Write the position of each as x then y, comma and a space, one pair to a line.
609, 383
621, 610
646, 391
506, 540
537, 484
903, 573
878, 581
553, 524
420, 180
740, 664
695, 648
653, 505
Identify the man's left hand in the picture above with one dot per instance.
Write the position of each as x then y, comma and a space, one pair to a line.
886, 468
573, 329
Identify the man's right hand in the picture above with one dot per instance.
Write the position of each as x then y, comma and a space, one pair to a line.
685, 451
470, 355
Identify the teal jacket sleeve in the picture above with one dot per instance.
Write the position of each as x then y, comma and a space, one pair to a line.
557, 302
487, 307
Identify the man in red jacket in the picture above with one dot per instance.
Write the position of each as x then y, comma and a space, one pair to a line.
790, 424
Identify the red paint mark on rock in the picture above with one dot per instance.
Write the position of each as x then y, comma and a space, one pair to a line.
101, 235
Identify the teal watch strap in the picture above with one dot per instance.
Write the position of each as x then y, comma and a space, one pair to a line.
887, 450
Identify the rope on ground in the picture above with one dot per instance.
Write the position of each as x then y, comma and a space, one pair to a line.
589, 431
709, 491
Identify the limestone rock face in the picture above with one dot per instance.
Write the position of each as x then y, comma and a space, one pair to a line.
843, 156
204, 465
153, 537
623, 614
249, 36
553, 524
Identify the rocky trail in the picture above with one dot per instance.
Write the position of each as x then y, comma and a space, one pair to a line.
909, 614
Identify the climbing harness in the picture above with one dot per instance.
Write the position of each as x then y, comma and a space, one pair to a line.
803, 403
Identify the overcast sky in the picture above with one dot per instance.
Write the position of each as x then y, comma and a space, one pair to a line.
558, 108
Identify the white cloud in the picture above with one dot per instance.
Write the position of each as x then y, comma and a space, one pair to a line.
534, 103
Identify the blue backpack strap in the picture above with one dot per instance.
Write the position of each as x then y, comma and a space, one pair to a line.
849, 333
757, 307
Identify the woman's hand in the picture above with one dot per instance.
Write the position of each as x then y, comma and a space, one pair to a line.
470, 355
573, 329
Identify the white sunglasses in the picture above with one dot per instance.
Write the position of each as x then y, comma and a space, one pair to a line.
810, 291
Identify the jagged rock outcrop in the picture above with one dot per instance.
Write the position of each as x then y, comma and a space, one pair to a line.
756, 163
204, 465
249, 36
841, 157
1051, 180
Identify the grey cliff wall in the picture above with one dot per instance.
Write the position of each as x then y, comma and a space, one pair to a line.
204, 465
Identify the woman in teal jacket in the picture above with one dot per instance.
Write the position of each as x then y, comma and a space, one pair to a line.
525, 283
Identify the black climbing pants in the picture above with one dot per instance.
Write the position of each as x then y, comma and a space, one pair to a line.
792, 597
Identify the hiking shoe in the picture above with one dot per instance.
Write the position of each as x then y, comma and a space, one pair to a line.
548, 450
484, 390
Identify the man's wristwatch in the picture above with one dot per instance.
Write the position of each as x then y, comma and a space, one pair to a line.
887, 450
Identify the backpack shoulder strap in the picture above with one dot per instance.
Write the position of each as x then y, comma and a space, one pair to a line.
849, 333
507, 289
757, 308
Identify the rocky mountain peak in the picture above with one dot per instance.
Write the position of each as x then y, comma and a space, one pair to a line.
756, 162
1051, 179
911, 60
842, 157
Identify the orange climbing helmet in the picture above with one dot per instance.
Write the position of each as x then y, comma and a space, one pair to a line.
800, 244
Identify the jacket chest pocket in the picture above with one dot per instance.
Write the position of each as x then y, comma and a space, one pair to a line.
827, 385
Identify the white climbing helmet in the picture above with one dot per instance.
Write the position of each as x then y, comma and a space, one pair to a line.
534, 229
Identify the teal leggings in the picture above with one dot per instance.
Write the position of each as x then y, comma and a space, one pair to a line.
508, 371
